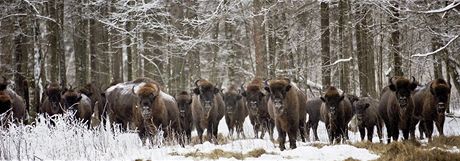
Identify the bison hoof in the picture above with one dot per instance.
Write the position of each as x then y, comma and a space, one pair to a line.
282, 147
293, 146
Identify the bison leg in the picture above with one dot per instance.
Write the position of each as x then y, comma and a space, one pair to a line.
307, 130
292, 138
255, 127
440, 126
315, 131
389, 133
395, 133
429, 129
379, 133
214, 132
421, 129
362, 132
281, 138
370, 133
271, 127
302, 130
200, 134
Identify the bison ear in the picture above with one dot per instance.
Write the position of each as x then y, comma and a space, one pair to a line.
413, 85
288, 87
189, 101
196, 91
366, 106
244, 94
216, 90
323, 99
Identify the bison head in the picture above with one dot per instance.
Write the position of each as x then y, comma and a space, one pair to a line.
184, 100
147, 94
71, 99
278, 90
231, 99
5, 102
205, 91
440, 89
360, 107
254, 98
332, 100
3, 83
53, 92
403, 88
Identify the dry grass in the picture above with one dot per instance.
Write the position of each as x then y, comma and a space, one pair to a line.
221, 139
413, 150
219, 153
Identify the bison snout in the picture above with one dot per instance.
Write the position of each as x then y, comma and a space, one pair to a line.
145, 111
403, 102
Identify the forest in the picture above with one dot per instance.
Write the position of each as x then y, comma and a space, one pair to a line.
354, 45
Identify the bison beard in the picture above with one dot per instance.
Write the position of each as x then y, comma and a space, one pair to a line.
396, 106
283, 107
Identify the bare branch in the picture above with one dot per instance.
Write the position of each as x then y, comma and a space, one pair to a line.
438, 50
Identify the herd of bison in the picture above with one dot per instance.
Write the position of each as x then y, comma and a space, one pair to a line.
279, 103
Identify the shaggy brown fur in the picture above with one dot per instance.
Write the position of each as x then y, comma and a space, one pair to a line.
284, 107
78, 102
184, 101
396, 107
9, 100
431, 102
52, 101
368, 117
207, 109
256, 103
314, 115
336, 112
236, 110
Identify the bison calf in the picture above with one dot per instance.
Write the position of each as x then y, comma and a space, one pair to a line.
184, 102
367, 115
78, 103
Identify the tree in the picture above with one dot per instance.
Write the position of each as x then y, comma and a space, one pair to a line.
395, 47
325, 50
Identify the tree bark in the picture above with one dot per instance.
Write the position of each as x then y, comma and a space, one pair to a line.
325, 48
395, 46
344, 48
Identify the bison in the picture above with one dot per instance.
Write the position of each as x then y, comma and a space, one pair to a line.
235, 110
141, 103
431, 103
284, 106
184, 101
52, 101
207, 109
396, 106
96, 96
314, 116
11, 103
368, 117
256, 103
78, 103
336, 112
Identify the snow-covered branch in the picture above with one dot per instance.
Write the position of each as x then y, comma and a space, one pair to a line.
440, 10
340, 61
436, 51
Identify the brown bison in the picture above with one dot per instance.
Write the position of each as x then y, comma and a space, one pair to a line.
52, 101
79, 104
431, 103
396, 106
235, 110
367, 117
207, 109
11, 103
141, 103
256, 103
184, 101
314, 116
336, 112
284, 106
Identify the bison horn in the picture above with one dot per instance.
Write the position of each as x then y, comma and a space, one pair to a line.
242, 87
266, 82
196, 82
413, 79
133, 90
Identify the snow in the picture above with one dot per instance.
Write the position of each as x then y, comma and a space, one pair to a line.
437, 50
70, 140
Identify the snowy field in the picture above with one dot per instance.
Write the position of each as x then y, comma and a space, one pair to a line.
64, 142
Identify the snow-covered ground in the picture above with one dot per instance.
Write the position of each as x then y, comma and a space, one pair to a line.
64, 142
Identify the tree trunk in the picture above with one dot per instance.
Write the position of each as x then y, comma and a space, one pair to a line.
80, 48
325, 50
53, 39
259, 40
6, 43
395, 46
343, 45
